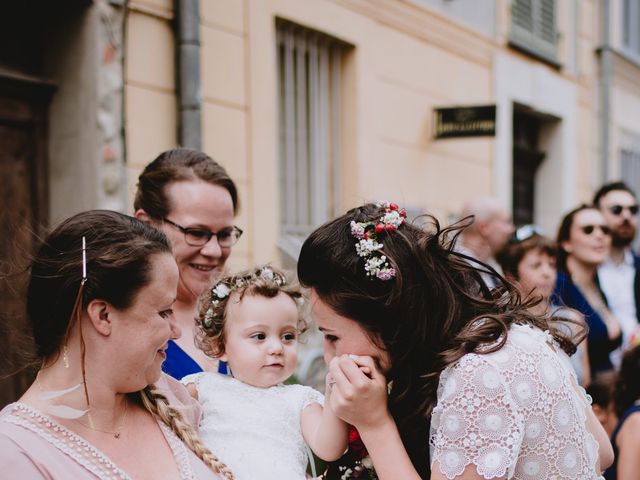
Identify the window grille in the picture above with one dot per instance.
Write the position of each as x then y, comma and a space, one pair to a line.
630, 167
533, 28
631, 27
630, 173
309, 81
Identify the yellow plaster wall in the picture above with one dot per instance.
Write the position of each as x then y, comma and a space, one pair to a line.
405, 61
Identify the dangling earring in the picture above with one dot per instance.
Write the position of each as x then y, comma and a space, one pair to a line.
60, 409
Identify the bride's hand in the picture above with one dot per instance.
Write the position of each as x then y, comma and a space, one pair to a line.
359, 394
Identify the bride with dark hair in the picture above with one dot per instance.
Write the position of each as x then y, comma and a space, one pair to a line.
442, 379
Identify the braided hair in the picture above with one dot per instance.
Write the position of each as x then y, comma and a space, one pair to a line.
156, 403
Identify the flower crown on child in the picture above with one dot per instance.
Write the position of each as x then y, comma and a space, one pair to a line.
264, 281
369, 235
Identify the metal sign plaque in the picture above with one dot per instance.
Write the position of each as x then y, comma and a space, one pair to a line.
465, 121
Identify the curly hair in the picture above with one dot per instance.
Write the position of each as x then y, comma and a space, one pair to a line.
211, 317
431, 314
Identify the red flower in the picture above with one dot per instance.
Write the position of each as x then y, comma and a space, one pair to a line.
355, 443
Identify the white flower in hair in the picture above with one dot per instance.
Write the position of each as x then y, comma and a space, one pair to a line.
221, 290
266, 273
367, 246
357, 229
373, 264
368, 234
208, 318
393, 217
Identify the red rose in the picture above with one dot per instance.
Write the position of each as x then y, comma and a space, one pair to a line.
355, 443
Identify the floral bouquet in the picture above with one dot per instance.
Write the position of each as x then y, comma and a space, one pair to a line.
355, 463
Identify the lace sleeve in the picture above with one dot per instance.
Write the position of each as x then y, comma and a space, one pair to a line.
194, 378
475, 421
308, 395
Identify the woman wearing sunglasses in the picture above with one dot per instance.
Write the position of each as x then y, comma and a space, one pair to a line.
583, 244
192, 199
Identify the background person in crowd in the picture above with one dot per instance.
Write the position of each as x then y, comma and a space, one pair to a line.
626, 436
100, 298
583, 244
529, 262
400, 301
619, 274
261, 427
601, 392
190, 198
487, 235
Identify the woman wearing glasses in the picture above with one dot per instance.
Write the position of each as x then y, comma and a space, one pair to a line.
192, 199
583, 244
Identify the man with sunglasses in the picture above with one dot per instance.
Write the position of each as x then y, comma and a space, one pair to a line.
619, 275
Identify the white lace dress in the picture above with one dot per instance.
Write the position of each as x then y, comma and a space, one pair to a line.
255, 431
516, 413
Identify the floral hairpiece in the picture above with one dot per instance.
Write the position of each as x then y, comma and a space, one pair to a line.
369, 234
226, 287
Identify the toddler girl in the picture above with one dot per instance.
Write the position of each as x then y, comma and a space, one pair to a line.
257, 425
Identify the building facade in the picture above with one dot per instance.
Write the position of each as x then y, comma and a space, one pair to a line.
315, 106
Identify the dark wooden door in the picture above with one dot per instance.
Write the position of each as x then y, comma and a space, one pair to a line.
23, 213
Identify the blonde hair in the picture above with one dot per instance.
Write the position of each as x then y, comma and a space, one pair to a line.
159, 406
264, 281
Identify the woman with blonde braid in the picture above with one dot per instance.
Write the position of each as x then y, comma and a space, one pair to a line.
100, 298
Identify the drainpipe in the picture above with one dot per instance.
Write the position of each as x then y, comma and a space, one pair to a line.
188, 68
606, 66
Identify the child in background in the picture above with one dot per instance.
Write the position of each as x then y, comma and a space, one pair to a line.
257, 425
626, 436
601, 392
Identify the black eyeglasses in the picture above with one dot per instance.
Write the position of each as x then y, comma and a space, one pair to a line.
197, 237
618, 209
589, 229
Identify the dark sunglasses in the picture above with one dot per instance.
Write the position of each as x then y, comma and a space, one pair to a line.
589, 229
618, 209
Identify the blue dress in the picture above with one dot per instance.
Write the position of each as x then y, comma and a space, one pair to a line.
599, 345
179, 364
612, 471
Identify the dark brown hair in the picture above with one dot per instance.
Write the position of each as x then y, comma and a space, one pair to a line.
118, 248
564, 234
264, 281
611, 187
427, 317
179, 164
627, 388
511, 256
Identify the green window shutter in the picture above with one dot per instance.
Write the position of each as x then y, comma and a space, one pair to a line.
533, 28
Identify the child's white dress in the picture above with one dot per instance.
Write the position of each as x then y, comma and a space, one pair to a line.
254, 431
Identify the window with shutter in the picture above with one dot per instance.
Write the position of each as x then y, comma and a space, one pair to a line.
309, 81
631, 27
533, 28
